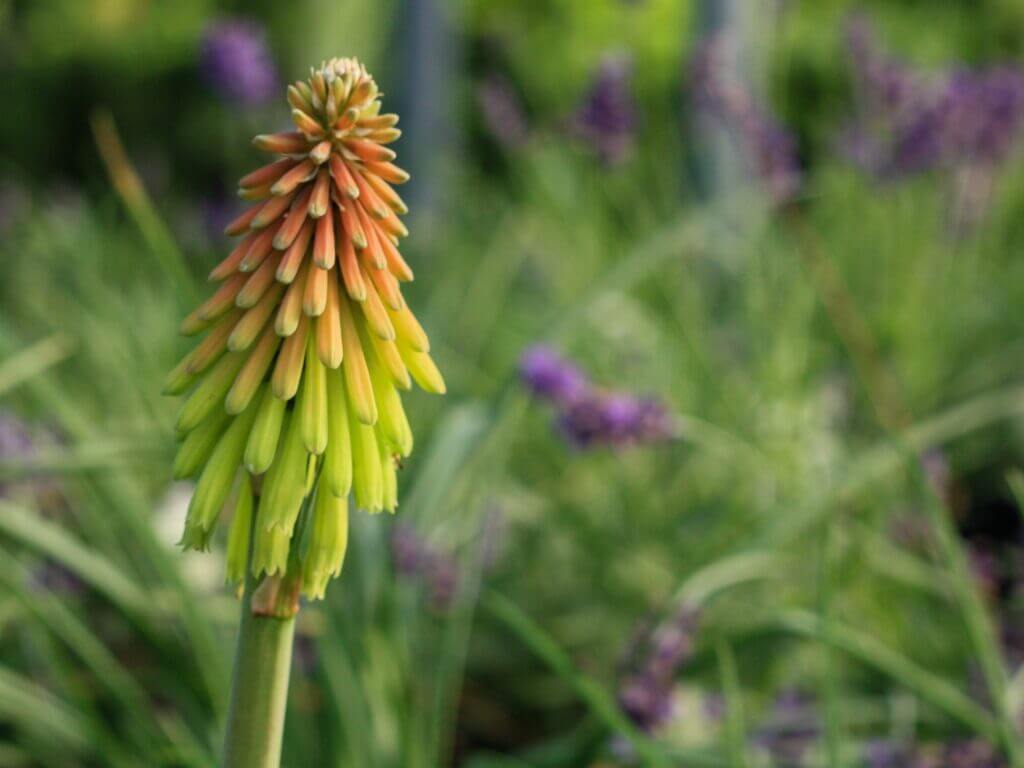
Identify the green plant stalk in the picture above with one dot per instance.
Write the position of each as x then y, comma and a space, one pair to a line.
259, 687
128, 185
735, 727
979, 624
830, 684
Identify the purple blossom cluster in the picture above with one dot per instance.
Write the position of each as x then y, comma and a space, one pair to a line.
589, 417
235, 61
720, 93
606, 119
415, 558
910, 121
652, 661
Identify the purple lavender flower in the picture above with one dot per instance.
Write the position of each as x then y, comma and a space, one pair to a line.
919, 145
893, 101
415, 558
984, 114
235, 61
551, 377
407, 550
19, 441
442, 579
502, 111
886, 754
606, 119
620, 420
910, 121
647, 701
586, 416
775, 154
974, 753
672, 643
15, 438
884, 82
16, 441
792, 730
654, 658
719, 93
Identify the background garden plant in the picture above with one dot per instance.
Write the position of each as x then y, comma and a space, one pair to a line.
817, 561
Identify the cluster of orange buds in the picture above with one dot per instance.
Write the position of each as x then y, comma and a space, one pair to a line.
294, 390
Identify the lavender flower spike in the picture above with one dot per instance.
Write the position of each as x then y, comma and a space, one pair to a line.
606, 119
913, 121
587, 416
656, 656
614, 419
235, 61
414, 558
768, 148
551, 377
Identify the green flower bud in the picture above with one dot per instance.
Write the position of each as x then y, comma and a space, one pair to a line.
266, 430
284, 485
338, 458
199, 444
312, 403
238, 534
210, 392
328, 540
219, 473
270, 548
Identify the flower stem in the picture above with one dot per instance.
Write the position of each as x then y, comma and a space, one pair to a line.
259, 689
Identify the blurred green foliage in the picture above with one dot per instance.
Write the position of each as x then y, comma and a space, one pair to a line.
782, 493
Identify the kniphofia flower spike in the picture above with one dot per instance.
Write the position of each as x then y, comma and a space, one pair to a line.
294, 390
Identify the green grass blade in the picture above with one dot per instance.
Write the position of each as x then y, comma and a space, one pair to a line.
45, 538
735, 720
939, 692
36, 710
33, 360
590, 692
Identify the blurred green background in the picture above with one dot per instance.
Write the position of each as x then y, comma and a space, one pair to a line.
796, 224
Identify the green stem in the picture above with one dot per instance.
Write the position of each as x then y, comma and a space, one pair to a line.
259, 690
